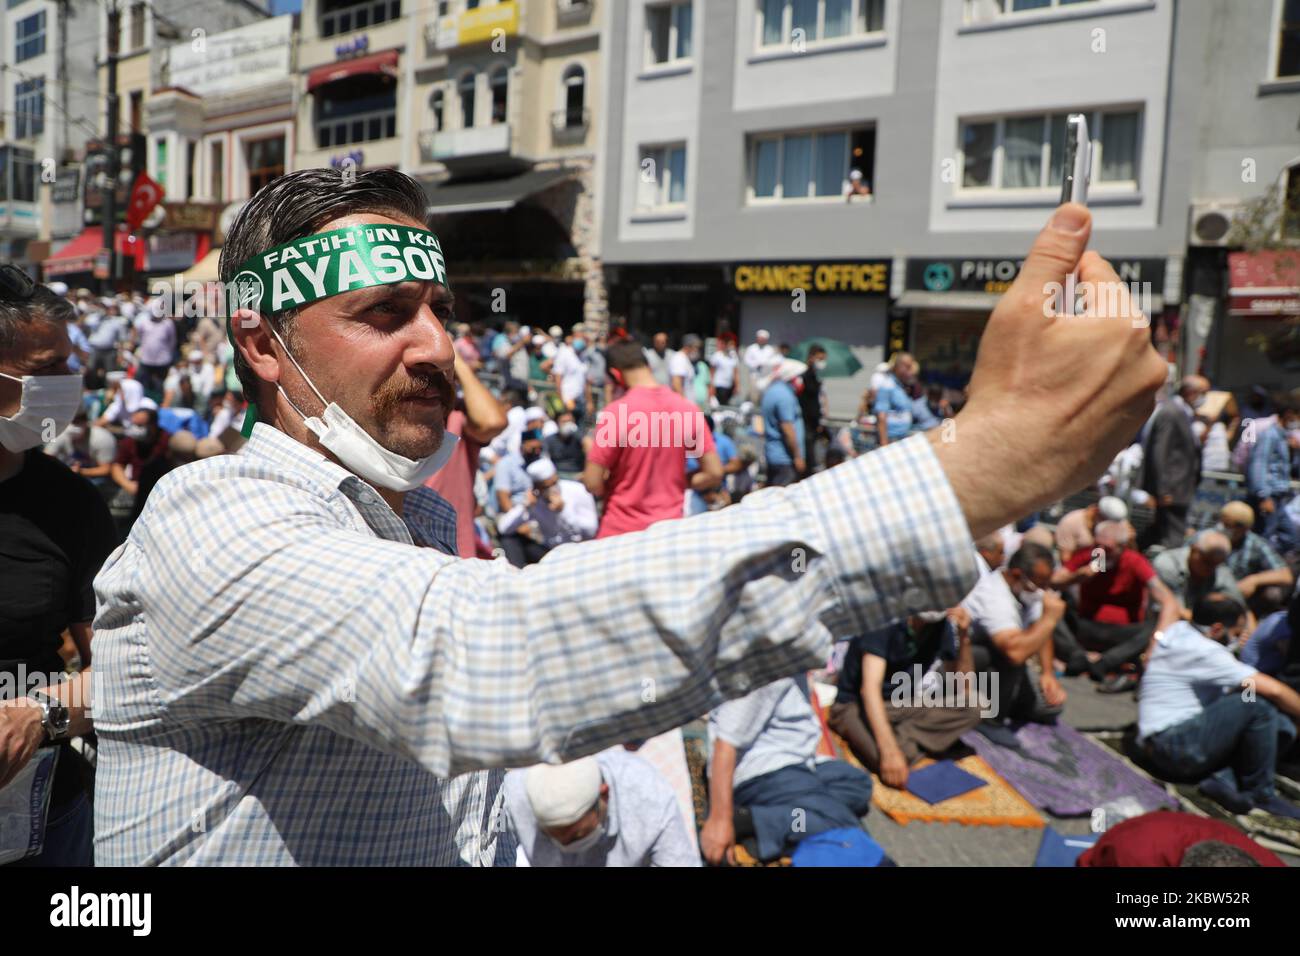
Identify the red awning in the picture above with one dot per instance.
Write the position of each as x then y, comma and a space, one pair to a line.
385, 62
78, 255
1264, 284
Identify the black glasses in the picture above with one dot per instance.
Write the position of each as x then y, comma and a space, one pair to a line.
15, 285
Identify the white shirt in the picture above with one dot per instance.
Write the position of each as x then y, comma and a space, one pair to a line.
572, 373
1187, 671
761, 359
679, 366
643, 825
724, 368
993, 608
771, 728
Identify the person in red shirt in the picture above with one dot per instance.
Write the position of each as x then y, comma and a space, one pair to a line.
1116, 590
637, 461
1165, 837
476, 419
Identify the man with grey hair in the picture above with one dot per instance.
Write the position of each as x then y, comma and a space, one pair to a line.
1171, 462
1112, 620
1198, 568
299, 670
1075, 529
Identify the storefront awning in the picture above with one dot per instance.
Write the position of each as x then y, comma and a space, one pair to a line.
491, 195
78, 255
384, 63
1264, 284
205, 270
975, 301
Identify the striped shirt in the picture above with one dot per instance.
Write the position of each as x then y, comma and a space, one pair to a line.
285, 676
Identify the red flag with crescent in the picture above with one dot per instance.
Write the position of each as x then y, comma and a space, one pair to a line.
145, 195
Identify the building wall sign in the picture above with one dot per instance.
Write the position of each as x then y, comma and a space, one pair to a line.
238, 59
199, 217
172, 251
477, 26
354, 47
868, 277
996, 275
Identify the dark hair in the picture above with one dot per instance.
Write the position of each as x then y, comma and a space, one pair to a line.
1216, 853
816, 347
626, 354
44, 306
514, 396
151, 413
1217, 608
1029, 554
300, 203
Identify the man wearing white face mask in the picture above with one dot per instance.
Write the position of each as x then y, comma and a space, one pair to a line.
56, 532
299, 670
613, 809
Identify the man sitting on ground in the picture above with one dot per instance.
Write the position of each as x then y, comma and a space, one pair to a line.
1013, 616
883, 709
767, 789
613, 809
555, 511
1110, 626
1076, 528
1203, 713
1199, 568
1262, 575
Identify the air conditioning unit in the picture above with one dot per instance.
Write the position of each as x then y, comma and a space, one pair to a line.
1211, 222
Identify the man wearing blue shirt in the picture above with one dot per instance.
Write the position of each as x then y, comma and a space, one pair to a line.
1268, 476
893, 407
783, 425
1202, 712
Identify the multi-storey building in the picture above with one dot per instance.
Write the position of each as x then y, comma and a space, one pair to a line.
492, 105
1239, 68
734, 130
50, 110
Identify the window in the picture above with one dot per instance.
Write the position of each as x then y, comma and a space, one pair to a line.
29, 37
217, 172
191, 161
137, 110
668, 33
437, 106
499, 83
792, 166
817, 20
466, 89
29, 107
1291, 205
137, 25
17, 174
1288, 40
575, 96
343, 16
361, 110
1026, 152
265, 162
160, 163
1024, 6
663, 177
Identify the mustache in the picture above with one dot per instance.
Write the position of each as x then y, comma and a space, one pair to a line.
392, 392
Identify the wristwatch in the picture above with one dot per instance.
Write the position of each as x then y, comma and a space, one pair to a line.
55, 718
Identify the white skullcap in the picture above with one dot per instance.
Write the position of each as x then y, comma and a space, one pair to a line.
196, 355
790, 369
762, 334
1112, 508
543, 469
539, 339
58, 288
561, 795
555, 332
534, 412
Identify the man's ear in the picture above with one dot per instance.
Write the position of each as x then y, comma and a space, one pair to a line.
253, 340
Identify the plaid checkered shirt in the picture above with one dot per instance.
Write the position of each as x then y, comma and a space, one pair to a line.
289, 673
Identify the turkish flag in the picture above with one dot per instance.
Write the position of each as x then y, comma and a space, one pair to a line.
145, 194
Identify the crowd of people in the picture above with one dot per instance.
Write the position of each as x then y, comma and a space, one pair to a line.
570, 435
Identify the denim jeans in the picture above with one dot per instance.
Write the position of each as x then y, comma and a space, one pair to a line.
68, 836
789, 804
1233, 739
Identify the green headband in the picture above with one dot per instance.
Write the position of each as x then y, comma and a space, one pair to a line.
329, 263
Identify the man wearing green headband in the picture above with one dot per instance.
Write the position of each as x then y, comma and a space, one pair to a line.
293, 667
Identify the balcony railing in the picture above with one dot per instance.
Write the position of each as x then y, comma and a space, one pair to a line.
570, 125
442, 146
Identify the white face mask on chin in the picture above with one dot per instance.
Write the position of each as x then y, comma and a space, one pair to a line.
358, 452
47, 407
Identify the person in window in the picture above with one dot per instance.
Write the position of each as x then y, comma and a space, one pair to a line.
855, 186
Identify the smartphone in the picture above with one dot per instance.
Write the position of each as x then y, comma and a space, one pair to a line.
1074, 179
